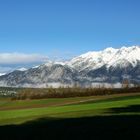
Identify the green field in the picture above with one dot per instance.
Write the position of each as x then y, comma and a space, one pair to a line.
15, 112
33, 113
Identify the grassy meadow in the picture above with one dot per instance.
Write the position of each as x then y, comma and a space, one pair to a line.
71, 118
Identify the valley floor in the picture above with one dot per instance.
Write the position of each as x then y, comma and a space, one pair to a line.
95, 117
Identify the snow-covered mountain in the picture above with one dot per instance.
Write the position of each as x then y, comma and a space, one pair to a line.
22, 69
42, 76
110, 57
109, 66
2, 74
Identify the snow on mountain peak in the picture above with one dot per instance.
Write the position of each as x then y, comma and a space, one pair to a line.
1, 74
128, 54
108, 65
51, 63
109, 57
22, 69
110, 50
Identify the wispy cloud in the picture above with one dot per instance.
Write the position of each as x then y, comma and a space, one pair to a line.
12, 61
21, 58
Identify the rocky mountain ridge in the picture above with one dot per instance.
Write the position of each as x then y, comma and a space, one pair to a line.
109, 66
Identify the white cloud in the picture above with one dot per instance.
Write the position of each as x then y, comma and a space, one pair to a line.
21, 58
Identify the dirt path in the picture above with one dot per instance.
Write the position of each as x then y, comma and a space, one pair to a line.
64, 103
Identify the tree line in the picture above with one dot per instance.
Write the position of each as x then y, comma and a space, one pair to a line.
42, 93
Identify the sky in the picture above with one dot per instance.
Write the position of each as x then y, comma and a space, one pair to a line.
62, 29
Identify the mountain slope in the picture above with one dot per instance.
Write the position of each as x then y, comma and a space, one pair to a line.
107, 66
110, 57
40, 76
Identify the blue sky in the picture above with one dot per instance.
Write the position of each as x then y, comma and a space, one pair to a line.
66, 28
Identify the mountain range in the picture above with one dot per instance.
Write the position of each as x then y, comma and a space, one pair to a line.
107, 67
